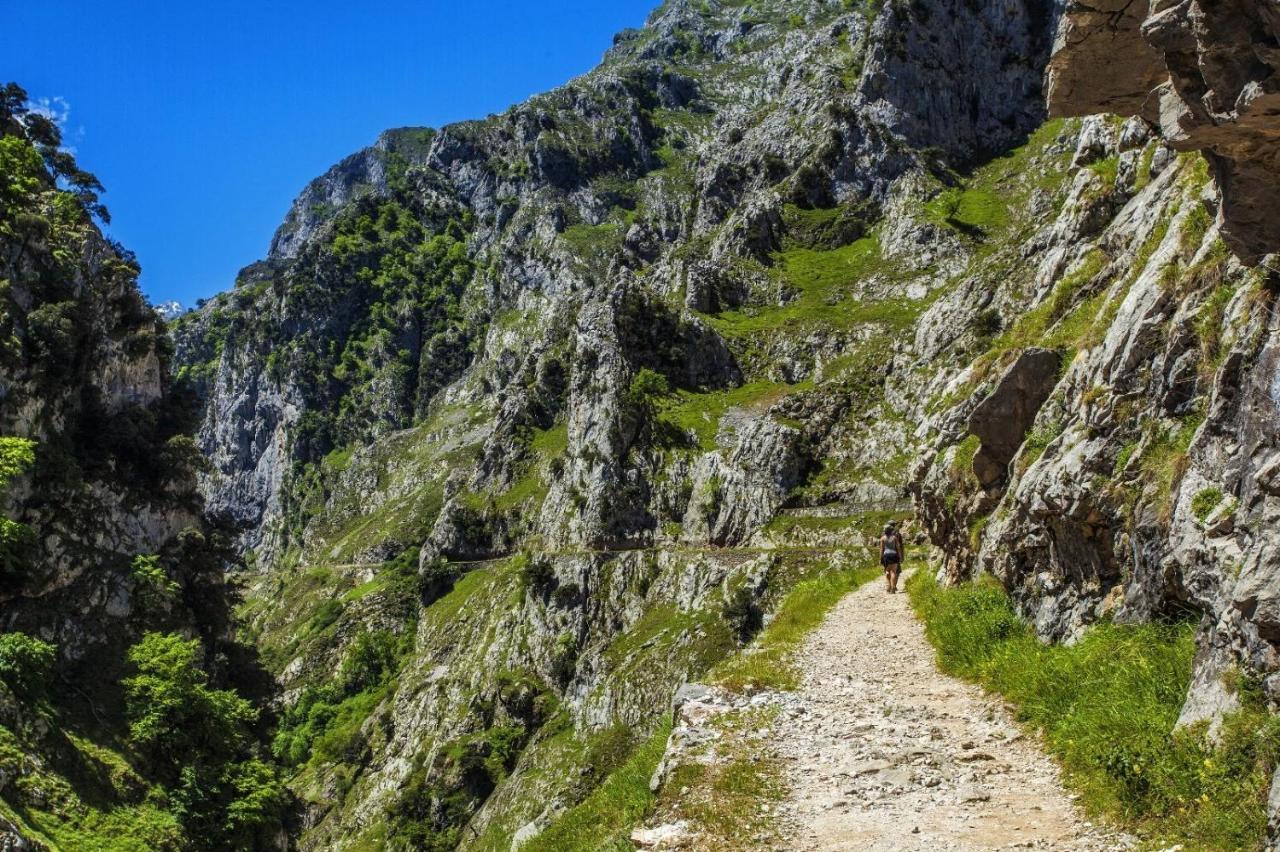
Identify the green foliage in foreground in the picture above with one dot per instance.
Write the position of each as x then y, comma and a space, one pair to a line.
202, 744
1107, 708
603, 819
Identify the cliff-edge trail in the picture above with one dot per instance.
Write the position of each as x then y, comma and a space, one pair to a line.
875, 750
885, 752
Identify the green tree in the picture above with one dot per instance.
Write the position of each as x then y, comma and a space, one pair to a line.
16, 457
154, 586
172, 710
201, 742
26, 663
646, 388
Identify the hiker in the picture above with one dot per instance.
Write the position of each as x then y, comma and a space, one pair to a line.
891, 551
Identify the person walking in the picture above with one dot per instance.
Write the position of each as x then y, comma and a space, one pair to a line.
891, 554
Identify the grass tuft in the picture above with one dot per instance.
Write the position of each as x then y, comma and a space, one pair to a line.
603, 819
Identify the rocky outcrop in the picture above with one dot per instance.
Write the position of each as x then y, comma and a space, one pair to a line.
1001, 421
1204, 75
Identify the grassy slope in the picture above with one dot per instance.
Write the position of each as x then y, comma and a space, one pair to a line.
1107, 708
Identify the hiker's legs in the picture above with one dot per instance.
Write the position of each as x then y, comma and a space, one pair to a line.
894, 571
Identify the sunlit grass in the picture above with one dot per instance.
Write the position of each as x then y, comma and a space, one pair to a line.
767, 664
1107, 707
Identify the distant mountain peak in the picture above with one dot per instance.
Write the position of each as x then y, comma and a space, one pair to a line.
169, 310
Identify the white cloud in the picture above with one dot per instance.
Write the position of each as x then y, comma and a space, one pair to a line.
56, 109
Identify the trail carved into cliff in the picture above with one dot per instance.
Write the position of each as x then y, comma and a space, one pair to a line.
885, 752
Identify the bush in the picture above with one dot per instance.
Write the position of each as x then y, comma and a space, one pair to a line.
536, 573
742, 612
373, 658
16, 457
173, 712
26, 663
152, 582
200, 742
1107, 707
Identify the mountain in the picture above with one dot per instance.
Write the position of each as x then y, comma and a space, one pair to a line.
169, 310
525, 423
117, 641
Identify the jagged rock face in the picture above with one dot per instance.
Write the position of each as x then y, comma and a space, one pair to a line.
1002, 419
910, 86
363, 173
735, 202
759, 214
1204, 74
529, 179
1143, 488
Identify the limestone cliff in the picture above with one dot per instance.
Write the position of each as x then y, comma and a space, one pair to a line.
1203, 74
102, 539
533, 418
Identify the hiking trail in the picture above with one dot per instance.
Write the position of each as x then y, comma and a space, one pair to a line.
884, 752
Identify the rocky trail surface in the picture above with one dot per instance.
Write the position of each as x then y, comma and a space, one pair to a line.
882, 751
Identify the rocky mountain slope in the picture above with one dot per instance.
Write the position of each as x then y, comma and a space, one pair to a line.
524, 422
102, 540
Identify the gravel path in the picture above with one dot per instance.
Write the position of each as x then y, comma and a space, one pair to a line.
882, 751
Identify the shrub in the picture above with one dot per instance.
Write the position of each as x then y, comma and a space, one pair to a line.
16, 457
536, 573
151, 580
742, 612
1205, 501
26, 663
372, 659
646, 389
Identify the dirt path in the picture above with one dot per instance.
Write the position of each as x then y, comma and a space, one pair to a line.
882, 751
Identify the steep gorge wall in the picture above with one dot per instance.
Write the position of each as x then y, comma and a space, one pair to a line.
1204, 74
1141, 489
848, 245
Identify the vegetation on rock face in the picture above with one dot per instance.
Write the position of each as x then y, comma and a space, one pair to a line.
101, 542
665, 334
1107, 707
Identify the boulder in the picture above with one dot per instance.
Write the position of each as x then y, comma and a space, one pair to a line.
1002, 419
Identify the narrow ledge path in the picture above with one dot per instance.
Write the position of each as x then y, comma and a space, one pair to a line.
881, 751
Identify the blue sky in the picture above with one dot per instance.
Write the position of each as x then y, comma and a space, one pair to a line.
204, 120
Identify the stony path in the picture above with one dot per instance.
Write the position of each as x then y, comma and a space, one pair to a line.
883, 752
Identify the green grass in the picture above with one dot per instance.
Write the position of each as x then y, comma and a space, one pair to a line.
785, 525
533, 484
1205, 501
980, 204
822, 282
720, 789
767, 664
700, 413
602, 820
1107, 707
1164, 457
970, 209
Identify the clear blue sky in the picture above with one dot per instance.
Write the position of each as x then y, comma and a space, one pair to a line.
204, 120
